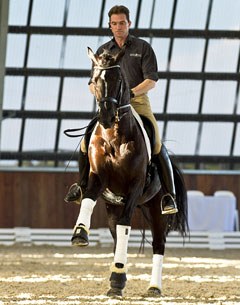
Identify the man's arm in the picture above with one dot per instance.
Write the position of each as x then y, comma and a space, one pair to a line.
143, 87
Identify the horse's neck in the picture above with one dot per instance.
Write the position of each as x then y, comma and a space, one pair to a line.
127, 124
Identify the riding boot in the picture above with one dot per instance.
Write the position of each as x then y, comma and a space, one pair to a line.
165, 171
76, 190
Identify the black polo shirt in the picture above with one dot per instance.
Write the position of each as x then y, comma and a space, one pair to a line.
139, 61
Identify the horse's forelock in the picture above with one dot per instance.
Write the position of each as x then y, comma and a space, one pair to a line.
106, 59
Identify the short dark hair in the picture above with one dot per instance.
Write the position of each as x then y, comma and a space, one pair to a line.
119, 9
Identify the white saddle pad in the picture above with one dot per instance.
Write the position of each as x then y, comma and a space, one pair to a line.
146, 138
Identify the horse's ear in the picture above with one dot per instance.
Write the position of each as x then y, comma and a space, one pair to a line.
120, 54
92, 56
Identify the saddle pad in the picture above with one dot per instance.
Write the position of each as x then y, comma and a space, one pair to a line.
146, 138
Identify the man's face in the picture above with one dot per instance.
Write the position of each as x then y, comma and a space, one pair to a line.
119, 26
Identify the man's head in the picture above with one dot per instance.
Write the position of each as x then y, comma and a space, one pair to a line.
119, 21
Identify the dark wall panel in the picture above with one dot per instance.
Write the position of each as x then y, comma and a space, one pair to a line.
35, 199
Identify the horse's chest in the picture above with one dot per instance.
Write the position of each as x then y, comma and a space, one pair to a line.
111, 150
117, 152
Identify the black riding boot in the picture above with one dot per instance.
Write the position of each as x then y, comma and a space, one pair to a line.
165, 171
76, 190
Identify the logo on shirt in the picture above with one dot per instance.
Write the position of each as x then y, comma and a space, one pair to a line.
135, 55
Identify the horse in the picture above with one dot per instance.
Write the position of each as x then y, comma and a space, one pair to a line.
122, 174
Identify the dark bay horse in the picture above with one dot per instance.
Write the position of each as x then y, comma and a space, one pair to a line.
119, 167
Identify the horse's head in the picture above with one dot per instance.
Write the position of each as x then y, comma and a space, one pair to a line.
108, 81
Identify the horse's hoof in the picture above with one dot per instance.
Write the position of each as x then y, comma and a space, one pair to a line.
80, 236
153, 292
74, 194
114, 293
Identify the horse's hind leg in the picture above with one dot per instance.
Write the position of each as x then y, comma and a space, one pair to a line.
158, 224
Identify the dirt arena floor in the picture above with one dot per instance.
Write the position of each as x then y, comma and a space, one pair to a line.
66, 275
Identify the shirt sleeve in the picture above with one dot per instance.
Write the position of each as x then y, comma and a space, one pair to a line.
149, 63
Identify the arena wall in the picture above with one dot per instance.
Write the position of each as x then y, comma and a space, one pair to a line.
35, 198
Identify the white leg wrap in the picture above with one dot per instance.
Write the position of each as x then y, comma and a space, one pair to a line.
156, 278
85, 213
123, 233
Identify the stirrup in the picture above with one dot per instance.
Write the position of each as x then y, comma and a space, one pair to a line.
74, 194
170, 206
80, 236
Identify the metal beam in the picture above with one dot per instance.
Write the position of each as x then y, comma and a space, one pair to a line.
79, 115
4, 9
86, 73
157, 33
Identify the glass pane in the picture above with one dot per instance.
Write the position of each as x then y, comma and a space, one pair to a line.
10, 134
225, 15
145, 14
42, 93
47, 13
184, 96
222, 55
160, 127
219, 97
238, 103
7, 163
18, 11
162, 14
187, 55
13, 89
157, 96
236, 151
76, 95
191, 14
44, 51
39, 134
76, 51
212, 142
86, 15
161, 49
15, 50
67, 143
181, 137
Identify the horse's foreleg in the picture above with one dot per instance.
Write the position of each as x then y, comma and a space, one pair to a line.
81, 229
118, 269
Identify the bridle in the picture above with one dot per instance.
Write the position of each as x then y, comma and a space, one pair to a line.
110, 99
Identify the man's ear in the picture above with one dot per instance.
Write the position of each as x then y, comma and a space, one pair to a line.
92, 56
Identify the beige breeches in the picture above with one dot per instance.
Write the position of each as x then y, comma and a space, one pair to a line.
142, 105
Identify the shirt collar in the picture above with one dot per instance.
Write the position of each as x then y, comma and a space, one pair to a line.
128, 42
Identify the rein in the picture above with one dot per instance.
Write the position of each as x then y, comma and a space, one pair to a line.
107, 68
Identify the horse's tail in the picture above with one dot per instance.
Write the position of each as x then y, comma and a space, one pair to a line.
179, 221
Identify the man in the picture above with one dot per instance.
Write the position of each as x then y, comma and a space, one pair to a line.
140, 66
